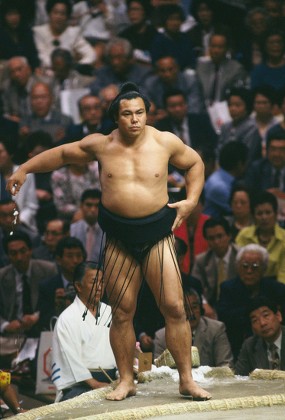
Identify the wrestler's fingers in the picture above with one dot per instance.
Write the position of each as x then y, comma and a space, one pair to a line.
176, 224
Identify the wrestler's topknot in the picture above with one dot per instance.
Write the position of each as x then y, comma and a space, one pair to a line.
128, 90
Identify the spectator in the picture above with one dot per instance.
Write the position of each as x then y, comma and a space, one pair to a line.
168, 77
249, 47
35, 143
236, 293
57, 291
55, 230
57, 33
217, 264
9, 395
173, 42
218, 187
271, 71
81, 347
264, 100
19, 294
65, 76
120, 66
193, 129
242, 128
267, 233
10, 222
43, 116
15, 34
87, 229
191, 233
208, 335
17, 88
67, 185
241, 213
140, 32
204, 13
26, 200
219, 73
92, 119
265, 350
268, 173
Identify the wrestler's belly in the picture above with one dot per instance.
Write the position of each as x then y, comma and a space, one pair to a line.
134, 202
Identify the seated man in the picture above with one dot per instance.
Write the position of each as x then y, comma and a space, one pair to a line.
57, 291
19, 293
252, 261
266, 349
81, 346
208, 335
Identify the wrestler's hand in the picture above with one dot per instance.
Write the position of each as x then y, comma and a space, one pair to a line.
183, 210
15, 181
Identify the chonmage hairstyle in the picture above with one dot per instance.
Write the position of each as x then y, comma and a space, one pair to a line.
128, 90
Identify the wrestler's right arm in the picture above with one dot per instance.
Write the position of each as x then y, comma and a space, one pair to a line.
82, 151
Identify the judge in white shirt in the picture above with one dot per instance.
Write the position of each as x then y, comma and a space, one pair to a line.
81, 345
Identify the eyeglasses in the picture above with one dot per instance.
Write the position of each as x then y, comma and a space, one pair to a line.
252, 266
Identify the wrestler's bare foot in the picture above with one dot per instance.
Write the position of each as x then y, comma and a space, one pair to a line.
122, 391
191, 389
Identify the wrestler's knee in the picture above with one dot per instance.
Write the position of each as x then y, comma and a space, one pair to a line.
174, 310
123, 314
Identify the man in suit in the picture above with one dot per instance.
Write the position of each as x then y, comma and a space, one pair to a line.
251, 261
168, 76
19, 293
218, 74
217, 264
268, 173
87, 229
91, 113
208, 335
266, 348
194, 129
57, 291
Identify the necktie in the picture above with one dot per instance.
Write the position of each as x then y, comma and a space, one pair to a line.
274, 356
90, 240
276, 179
214, 95
221, 275
27, 302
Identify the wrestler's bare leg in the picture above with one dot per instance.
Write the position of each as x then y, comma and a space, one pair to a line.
177, 328
122, 295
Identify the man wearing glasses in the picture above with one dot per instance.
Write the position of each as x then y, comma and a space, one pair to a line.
251, 261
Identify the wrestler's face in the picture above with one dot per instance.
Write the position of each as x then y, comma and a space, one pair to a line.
132, 117
265, 323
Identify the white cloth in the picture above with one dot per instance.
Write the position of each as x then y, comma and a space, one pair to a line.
71, 40
80, 345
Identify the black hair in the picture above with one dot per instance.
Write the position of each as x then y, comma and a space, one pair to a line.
8, 144
231, 154
267, 91
213, 222
65, 224
280, 97
51, 3
239, 187
173, 92
90, 193
7, 6
64, 54
260, 301
166, 10
69, 242
143, 3
195, 4
245, 95
128, 90
264, 197
17, 236
275, 133
38, 138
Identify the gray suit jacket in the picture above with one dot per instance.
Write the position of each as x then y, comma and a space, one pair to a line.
39, 270
253, 355
210, 339
231, 74
205, 269
79, 230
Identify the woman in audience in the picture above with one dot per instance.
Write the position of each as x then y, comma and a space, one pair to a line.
241, 214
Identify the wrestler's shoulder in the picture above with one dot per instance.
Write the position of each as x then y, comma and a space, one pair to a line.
96, 139
163, 136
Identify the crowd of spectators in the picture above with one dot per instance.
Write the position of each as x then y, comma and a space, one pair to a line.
214, 72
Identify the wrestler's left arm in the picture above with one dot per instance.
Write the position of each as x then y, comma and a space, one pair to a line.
183, 157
